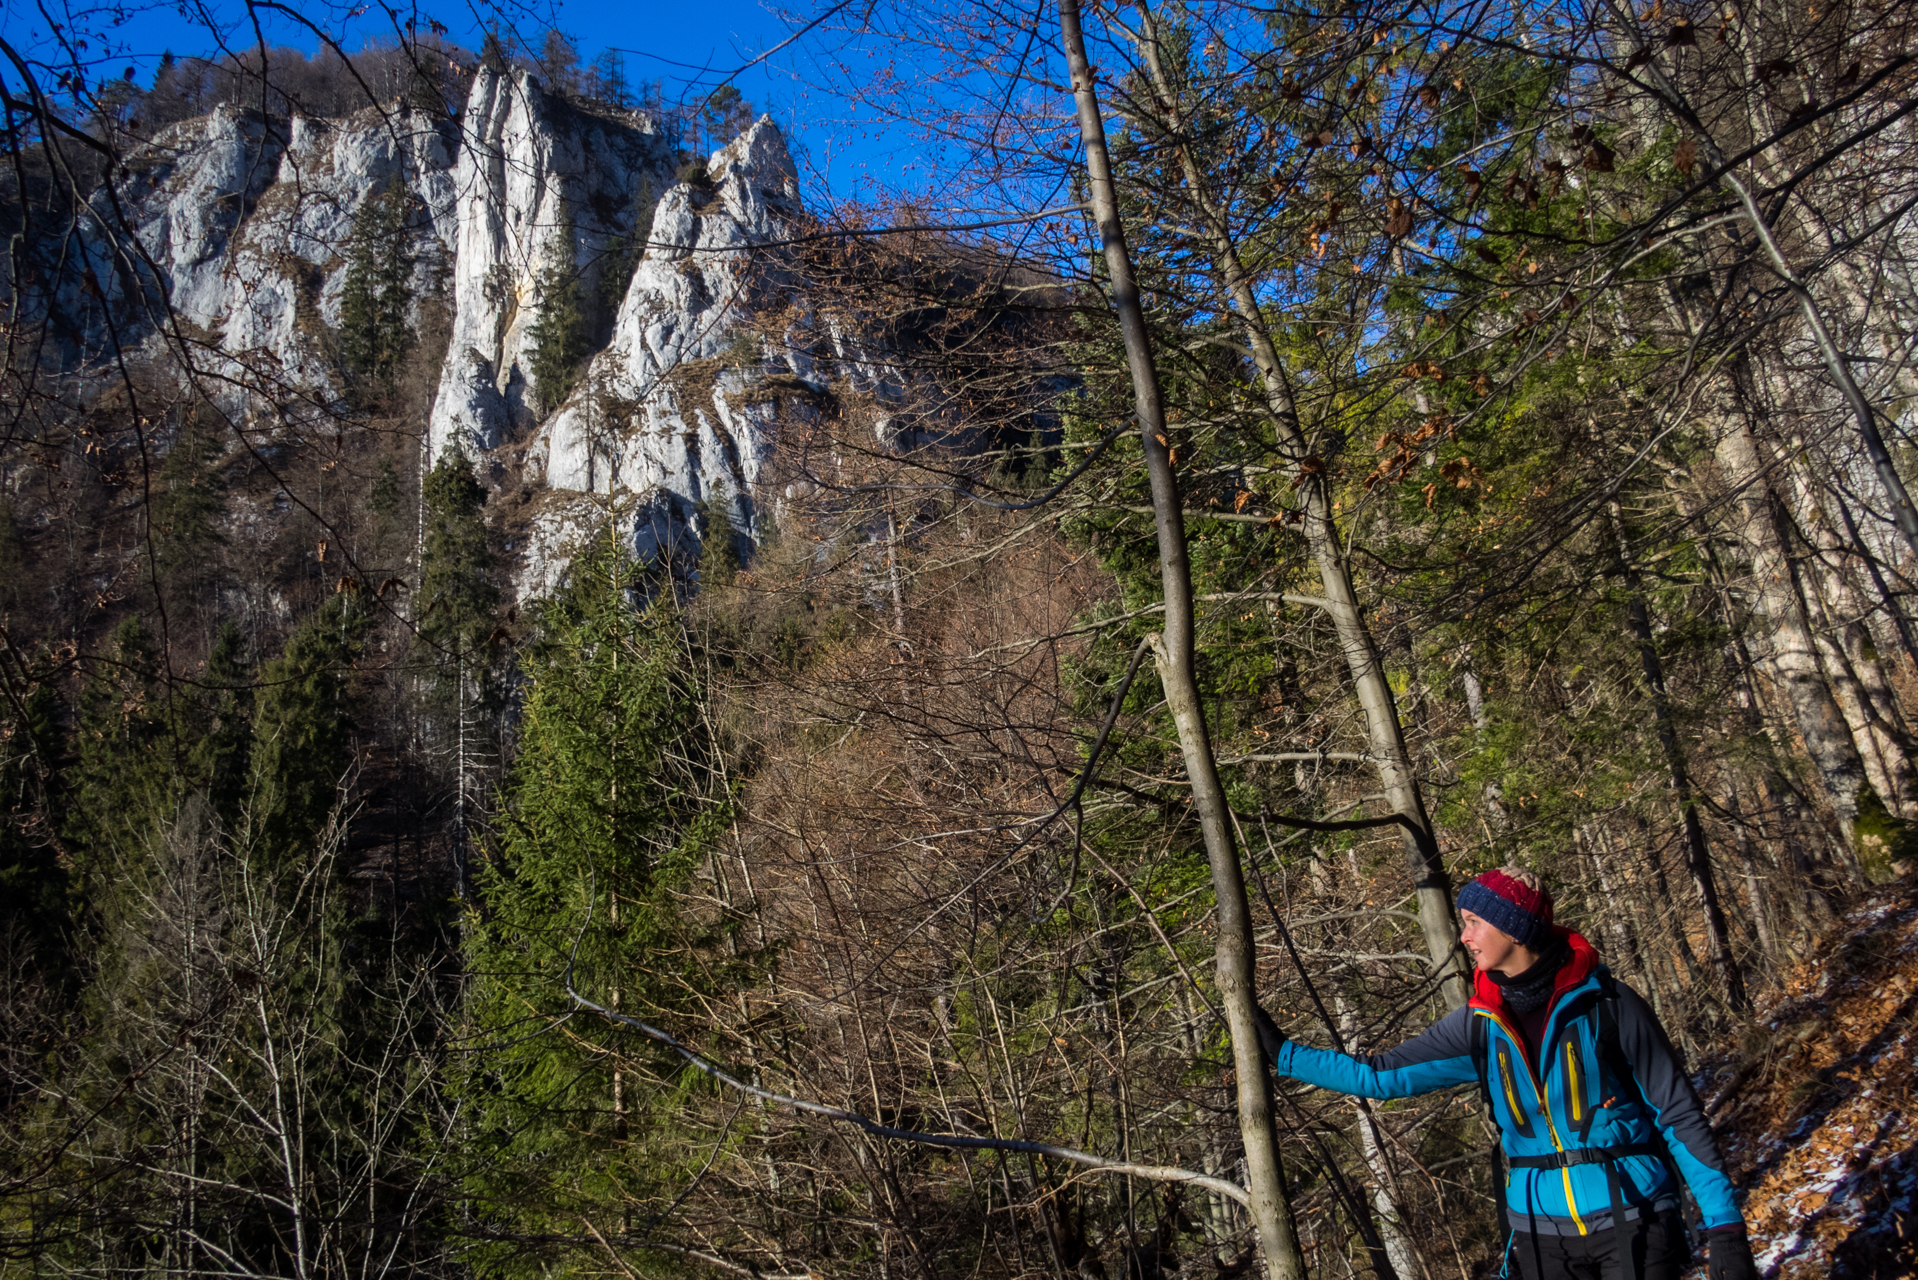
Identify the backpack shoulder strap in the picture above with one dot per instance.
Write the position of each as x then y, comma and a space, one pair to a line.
1481, 1062
1612, 1053
1611, 1050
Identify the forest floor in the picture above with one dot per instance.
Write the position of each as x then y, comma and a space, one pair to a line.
1818, 1105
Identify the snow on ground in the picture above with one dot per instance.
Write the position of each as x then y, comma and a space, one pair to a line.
1819, 1114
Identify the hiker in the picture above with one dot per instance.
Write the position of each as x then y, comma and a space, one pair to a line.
1596, 1115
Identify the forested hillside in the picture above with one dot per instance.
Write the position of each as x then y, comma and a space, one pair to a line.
575, 703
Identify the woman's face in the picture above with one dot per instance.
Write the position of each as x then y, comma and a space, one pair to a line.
1491, 948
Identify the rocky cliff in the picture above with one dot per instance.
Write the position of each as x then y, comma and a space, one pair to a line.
233, 231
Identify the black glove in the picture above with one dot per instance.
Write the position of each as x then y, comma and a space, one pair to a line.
1271, 1039
1730, 1253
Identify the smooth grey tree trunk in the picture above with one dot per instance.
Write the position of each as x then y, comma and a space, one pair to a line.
1385, 737
1792, 659
1265, 1177
1853, 670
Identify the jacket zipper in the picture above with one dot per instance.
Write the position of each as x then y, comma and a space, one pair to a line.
1551, 1127
1572, 1090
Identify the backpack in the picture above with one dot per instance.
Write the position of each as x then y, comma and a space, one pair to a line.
1612, 1054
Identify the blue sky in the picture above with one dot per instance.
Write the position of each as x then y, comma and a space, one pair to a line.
689, 45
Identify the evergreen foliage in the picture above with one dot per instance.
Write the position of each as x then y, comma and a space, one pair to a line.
559, 62
493, 54
377, 290
302, 734
719, 561
34, 908
191, 499
458, 600
13, 558
604, 814
223, 741
622, 257
558, 333
126, 757
724, 115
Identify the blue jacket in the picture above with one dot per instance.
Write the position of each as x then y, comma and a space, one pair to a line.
1570, 1101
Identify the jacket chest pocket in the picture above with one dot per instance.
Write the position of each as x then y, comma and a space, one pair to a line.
1515, 1089
1581, 1079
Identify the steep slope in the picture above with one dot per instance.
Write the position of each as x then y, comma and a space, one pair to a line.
1819, 1109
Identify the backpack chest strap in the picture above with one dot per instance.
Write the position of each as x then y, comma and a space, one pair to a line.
1586, 1155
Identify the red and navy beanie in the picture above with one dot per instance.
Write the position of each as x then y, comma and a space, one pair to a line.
1524, 915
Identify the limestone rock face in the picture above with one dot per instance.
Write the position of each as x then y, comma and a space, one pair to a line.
540, 186
238, 227
667, 415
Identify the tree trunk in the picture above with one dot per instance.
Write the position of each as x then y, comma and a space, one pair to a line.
1697, 852
1265, 1177
1792, 660
1400, 1253
1837, 366
1385, 737
1618, 916
1761, 923
1857, 678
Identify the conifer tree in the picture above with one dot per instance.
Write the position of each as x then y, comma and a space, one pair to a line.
725, 115
125, 755
493, 54
622, 258
559, 59
458, 599
458, 606
718, 544
190, 502
143, 746
377, 291
559, 332
33, 882
223, 738
13, 558
302, 733
602, 816
609, 79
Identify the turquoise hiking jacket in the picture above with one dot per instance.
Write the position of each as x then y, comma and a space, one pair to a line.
1569, 1101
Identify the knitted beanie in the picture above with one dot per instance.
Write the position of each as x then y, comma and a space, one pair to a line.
1522, 914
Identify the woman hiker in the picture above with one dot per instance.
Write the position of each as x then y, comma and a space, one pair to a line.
1596, 1116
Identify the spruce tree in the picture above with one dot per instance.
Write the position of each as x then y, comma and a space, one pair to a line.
13, 558
374, 337
559, 59
601, 818
191, 501
126, 756
718, 544
222, 741
302, 734
621, 258
493, 54
34, 920
458, 599
558, 334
